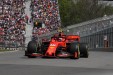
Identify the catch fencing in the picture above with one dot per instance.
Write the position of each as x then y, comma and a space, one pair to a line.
98, 33
7, 42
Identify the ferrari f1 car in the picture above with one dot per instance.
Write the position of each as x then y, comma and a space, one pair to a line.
59, 46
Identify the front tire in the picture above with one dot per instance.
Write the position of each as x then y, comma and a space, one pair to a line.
74, 50
31, 48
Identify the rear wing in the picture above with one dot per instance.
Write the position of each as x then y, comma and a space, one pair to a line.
73, 37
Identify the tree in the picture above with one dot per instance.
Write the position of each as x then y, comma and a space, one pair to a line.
82, 10
65, 11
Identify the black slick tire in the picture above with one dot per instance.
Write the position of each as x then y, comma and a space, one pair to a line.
73, 48
31, 48
83, 50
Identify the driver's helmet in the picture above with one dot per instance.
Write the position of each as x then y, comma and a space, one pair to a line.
59, 29
61, 34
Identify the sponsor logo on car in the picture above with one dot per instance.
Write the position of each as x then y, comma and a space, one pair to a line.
52, 45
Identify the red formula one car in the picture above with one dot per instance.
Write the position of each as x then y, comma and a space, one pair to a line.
60, 45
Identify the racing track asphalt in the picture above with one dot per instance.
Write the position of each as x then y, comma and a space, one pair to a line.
14, 63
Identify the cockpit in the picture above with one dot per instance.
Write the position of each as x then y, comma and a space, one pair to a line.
59, 39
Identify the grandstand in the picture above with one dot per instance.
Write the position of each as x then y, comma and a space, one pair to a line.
46, 12
12, 21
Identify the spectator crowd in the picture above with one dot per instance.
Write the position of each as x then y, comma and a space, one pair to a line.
12, 21
46, 12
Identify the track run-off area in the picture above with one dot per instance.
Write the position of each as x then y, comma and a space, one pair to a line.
15, 63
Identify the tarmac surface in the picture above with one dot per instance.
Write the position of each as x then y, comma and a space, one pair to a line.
15, 63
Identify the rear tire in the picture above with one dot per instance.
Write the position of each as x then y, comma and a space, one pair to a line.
84, 50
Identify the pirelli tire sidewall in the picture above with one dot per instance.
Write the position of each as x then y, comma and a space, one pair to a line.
32, 47
83, 47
